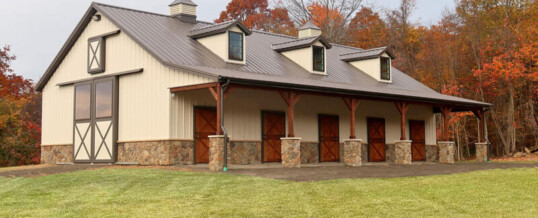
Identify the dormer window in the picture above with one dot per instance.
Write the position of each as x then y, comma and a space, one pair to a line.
319, 58
235, 46
385, 68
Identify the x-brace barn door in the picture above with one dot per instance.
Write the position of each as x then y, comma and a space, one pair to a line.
95, 116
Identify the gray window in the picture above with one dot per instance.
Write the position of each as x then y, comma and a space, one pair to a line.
319, 59
82, 102
235, 49
385, 68
103, 99
96, 55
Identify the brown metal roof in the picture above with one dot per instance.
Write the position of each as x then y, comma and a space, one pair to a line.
366, 54
309, 25
300, 43
204, 29
167, 39
187, 2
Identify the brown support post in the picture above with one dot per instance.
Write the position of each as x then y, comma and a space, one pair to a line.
215, 92
402, 108
352, 104
480, 115
446, 113
291, 99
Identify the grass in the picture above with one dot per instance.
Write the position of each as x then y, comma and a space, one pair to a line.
165, 193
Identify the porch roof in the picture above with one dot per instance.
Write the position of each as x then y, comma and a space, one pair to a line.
167, 39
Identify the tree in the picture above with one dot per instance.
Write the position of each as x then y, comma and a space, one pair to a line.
256, 14
367, 29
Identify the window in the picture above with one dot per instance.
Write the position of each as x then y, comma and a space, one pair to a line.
96, 55
319, 59
82, 102
103, 99
385, 68
235, 46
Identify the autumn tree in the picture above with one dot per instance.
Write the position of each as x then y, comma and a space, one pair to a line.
367, 29
256, 14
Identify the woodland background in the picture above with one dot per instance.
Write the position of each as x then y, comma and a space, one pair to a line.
485, 50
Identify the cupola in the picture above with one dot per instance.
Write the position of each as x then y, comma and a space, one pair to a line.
309, 29
184, 10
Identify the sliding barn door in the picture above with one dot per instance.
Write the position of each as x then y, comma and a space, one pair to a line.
95, 129
274, 128
376, 140
329, 138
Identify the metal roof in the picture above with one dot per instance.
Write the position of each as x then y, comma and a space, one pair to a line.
366, 54
204, 29
301, 43
167, 39
309, 25
187, 2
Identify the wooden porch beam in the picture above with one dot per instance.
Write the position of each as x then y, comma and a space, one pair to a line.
402, 108
352, 104
291, 99
480, 115
219, 108
193, 87
446, 113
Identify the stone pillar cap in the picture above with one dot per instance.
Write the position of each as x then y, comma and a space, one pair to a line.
291, 138
446, 142
405, 141
352, 140
216, 136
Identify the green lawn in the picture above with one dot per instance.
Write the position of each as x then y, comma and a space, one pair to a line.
164, 193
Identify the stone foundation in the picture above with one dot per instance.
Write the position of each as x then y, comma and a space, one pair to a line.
216, 152
309, 152
291, 152
481, 152
364, 152
390, 155
402, 152
244, 152
353, 152
446, 152
156, 153
53, 154
432, 153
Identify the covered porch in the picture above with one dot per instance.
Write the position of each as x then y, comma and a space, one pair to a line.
299, 126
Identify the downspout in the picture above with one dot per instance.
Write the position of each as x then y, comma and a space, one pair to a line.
222, 88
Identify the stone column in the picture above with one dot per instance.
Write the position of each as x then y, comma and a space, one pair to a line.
353, 152
481, 151
446, 152
291, 152
216, 153
402, 152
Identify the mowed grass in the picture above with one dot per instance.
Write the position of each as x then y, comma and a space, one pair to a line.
166, 193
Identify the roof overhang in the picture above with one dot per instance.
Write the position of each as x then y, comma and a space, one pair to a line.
219, 29
301, 43
357, 56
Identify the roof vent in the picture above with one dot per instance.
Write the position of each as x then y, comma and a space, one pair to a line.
184, 10
309, 29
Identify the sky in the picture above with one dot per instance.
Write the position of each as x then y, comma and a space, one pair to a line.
37, 29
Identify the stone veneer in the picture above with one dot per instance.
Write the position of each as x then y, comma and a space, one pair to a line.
244, 152
446, 152
353, 152
53, 154
481, 152
291, 152
156, 153
309, 152
402, 152
432, 153
216, 152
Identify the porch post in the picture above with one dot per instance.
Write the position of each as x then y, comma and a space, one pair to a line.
291, 146
446, 113
291, 99
481, 146
446, 148
352, 104
402, 108
402, 148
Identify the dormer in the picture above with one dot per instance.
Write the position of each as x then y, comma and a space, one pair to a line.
227, 40
375, 62
309, 51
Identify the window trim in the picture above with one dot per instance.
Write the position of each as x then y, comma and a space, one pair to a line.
381, 76
242, 46
313, 58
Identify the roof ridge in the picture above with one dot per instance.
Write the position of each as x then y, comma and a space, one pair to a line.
363, 51
214, 24
128, 9
295, 40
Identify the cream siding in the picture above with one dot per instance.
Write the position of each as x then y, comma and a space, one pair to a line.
242, 115
304, 57
218, 44
144, 99
372, 67
183, 9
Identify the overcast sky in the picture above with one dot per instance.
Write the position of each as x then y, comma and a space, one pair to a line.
37, 29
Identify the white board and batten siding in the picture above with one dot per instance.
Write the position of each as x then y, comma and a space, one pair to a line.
144, 99
242, 115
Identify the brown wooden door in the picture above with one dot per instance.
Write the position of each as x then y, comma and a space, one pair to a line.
205, 125
418, 146
328, 138
376, 139
273, 130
